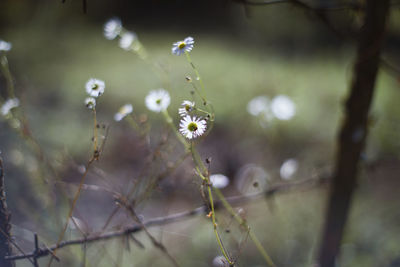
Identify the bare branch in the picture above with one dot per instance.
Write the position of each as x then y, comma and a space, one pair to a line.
280, 188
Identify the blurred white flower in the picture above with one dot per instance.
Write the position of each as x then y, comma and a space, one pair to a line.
90, 102
123, 111
8, 105
288, 168
258, 105
181, 47
187, 107
112, 28
251, 179
95, 87
5, 46
158, 100
126, 40
219, 180
220, 261
192, 127
283, 107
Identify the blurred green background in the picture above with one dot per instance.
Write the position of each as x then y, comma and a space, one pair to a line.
241, 52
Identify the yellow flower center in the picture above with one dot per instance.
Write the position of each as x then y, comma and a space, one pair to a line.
192, 127
181, 45
158, 101
95, 86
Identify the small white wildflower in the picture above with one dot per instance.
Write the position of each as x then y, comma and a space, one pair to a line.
123, 111
219, 180
8, 105
95, 87
5, 46
192, 127
126, 40
181, 47
90, 102
112, 28
288, 168
187, 107
258, 105
158, 100
283, 107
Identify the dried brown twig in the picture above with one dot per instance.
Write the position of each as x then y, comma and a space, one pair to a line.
236, 200
5, 226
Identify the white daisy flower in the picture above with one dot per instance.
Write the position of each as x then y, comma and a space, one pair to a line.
158, 100
123, 111
283, 107
288, 168
90, 102
219, 180
127, 40
112, 28
192, 127
187, 107
181, 47
5, 46
8, 105
95, 87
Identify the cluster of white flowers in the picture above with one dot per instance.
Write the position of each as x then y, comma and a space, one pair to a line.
94, 88
280, 107
8, 105
180, 47
113, 28
5, 46
190, 127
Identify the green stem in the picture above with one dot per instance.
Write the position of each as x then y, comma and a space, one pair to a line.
198, 92
133, 123
242, 222
195, 70
95, 135
170, 122
221, 246
206, 179
204, 111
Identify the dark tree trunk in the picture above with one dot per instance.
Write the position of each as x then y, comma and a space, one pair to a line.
5, 226
354, 129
